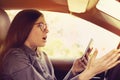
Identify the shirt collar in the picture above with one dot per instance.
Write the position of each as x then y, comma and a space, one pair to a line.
28, 50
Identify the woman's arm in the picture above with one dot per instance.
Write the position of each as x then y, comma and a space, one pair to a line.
96, 66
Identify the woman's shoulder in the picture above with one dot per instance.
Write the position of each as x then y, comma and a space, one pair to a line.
14, 60
15, 53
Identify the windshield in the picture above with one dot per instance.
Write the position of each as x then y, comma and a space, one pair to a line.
69, 35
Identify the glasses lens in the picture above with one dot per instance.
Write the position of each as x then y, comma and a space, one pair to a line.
42, 26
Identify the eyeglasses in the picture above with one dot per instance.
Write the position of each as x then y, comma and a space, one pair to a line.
42, 26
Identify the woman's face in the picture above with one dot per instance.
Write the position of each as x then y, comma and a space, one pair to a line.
38, 34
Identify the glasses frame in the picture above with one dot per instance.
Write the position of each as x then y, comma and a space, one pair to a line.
42, 26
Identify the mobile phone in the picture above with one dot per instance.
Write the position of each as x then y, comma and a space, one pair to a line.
89, 48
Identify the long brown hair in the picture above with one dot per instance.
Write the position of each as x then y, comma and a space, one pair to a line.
19, 29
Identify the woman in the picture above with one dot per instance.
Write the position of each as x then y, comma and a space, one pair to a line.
22, 61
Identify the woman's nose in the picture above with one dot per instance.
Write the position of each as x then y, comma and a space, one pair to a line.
46, 30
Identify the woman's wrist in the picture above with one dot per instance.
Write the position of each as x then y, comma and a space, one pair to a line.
86, 75
73, 72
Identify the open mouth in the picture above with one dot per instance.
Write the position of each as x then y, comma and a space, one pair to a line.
44, 38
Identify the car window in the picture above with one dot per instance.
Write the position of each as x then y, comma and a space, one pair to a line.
68, 35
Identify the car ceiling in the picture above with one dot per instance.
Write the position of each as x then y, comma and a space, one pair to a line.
92, 14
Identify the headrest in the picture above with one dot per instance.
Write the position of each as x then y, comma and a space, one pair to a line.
4, 24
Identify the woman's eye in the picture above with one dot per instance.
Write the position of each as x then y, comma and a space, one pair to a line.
40, 25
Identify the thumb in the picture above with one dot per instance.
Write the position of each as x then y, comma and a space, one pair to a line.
94, 53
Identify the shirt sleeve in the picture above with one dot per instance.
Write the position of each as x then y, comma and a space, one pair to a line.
28, 73
70, 76
18, 67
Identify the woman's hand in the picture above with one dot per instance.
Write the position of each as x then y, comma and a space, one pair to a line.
80, 63
104, 63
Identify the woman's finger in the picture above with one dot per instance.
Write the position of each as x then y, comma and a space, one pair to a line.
95, 52
111, 56
92, 58
114, 60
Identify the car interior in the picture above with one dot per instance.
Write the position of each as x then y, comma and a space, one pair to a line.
97, 12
